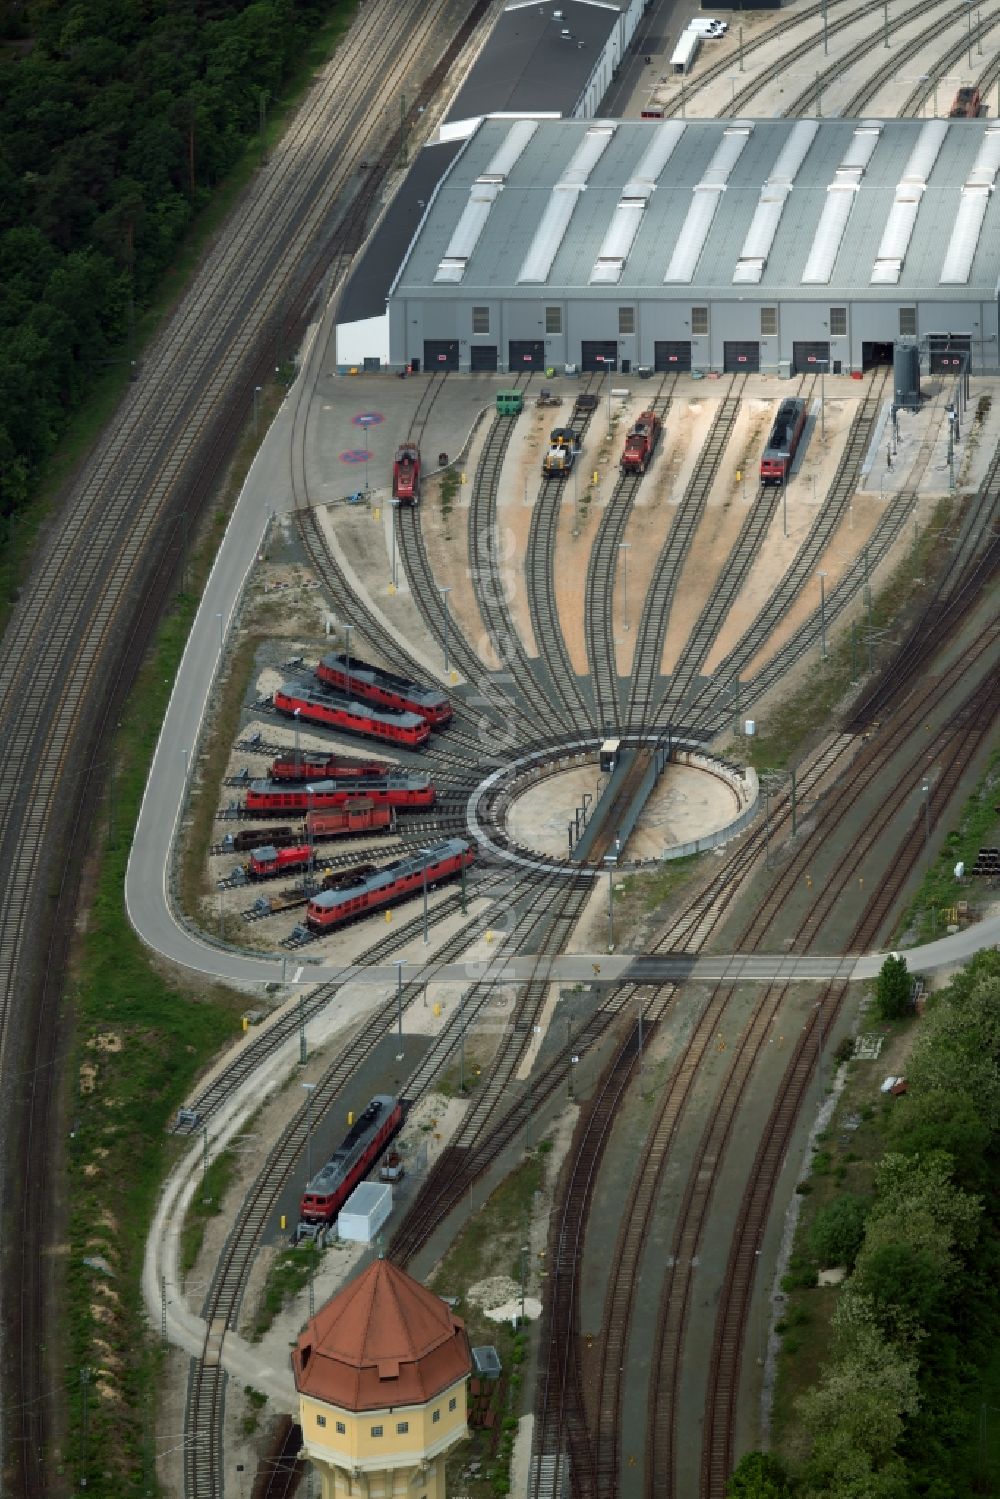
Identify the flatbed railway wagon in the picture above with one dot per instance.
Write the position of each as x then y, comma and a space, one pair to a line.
360, 679
406, 474
308, 766
397, 881
337, 711
783, 443
398, 793
366, 1139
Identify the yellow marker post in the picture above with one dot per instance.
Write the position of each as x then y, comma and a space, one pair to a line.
596, 477
246, 1024
391, 588
376, 513
739, 476
388, 917
465, 478
281, 1222
436, 1008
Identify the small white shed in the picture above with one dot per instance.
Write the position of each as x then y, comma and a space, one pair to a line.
364, 1212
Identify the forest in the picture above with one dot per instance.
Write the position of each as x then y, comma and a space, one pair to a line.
117, 120
906, 1401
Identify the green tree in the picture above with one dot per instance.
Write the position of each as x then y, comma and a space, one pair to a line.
758, 1475
892, 992
837, 1231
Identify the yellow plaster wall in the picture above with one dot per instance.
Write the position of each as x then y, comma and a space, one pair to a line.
355, 1447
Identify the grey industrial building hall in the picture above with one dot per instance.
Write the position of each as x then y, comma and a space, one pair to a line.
725, 245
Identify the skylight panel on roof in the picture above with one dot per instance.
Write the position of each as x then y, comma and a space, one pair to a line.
705, 200
655, 158
962, 246
618, 241
514, 145
839, 202
972, 206
793, 152
767, 215
549, 235
987, 162
925, 152
467, 231
829, 232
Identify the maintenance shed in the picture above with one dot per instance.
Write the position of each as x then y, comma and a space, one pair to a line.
726, 245
549, 60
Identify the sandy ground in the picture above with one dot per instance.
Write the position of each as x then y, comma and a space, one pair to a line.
685, 430
720, 526
687, 803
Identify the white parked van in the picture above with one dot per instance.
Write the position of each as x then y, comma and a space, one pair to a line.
707, 26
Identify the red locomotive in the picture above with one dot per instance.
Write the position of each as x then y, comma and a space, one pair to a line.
442, 861
406, 474
359, 815
363, 680
402, 791
407, 729
361, 1147
319, 767
267, 861
640, 444
782, 445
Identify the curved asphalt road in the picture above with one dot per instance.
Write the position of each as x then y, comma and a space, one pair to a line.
147, 897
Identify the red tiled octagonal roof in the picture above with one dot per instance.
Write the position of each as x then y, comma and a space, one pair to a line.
383, 1340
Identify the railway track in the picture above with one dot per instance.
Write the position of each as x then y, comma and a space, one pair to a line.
600, 589
569, 700
670, 563
488, 575
82, 623
712, 704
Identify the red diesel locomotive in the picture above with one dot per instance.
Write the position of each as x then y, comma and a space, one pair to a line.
361, 679
406, 729
405, 877
361, 1147
406, 474
316, 766
783, 443
267, 861
401, 791
360, 815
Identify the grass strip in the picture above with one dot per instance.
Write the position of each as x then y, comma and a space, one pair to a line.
935, 903
788, 726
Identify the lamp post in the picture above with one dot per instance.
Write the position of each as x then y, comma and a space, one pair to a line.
256, 407
609, 861
623, 547
969, 15
826, 44
426, 856
926, 789
885, 22
444, 592
348, 630
733, 79
822, 615
295, 716
218, 615
823, 366
642, 1079
309, 1130
399, 1003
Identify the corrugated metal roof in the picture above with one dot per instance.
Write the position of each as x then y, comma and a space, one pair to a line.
723, 211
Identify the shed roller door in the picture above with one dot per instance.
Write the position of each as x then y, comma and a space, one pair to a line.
671, 354
945, 350
440, 354
483, 357
810, 358
526, 354
740, 358
596, 354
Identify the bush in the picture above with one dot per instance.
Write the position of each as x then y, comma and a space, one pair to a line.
758, 1475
